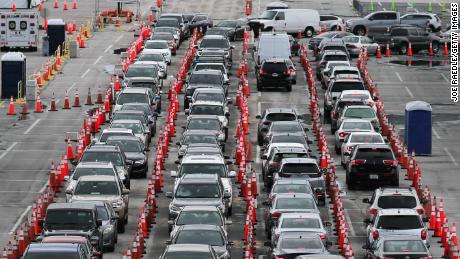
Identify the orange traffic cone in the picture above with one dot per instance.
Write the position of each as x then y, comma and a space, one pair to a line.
25, 107
88, 98
40, 7
76, 102
53, 104
11, 110
13, 8
38, 105
45, 24
82, 43
438, 228
409, 50
116, 85
74, 6
55, 5
66, 102
430, 49
446, 49
65, 6
432, 225
70, 154
379, 53
99, 96
151, 16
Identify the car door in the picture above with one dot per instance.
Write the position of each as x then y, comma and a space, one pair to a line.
279, 23
377, 25
414, 38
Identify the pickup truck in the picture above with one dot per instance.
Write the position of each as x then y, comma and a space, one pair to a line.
373, 23
400, 35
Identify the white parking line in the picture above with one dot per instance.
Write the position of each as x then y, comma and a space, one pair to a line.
72, 86
259, 108
86, 72
20, 219
97, 60
8, 150
445, 78
119, 38
399, 77
451, 156
436, 133
32, 126
409, 92
108, 48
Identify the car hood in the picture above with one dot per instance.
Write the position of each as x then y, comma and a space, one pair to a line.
109, 198
67, 232
134, 155
196, 202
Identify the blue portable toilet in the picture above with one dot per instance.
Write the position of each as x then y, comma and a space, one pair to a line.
417, 132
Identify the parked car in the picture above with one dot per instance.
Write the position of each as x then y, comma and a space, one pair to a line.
138, 129
398, 246
155, 58
134, 150
373, 23
347, 127
285, 186
337, 112
194, 215
363, 112
355, 44
158, 47
356, 138
201, 20
290, 245
427, 21
83, 241
169, 38
197, 136
331, 22
274, 72
234, 28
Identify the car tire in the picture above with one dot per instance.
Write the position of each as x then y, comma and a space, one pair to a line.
260, 141
395, 182
259, 86
229, 211
333, 28
309, 31
337, 150
121, 227
333, 129
360, 31
435, 46
289, 88
350, 183
294, 81
403, 49
111, 247
327, 116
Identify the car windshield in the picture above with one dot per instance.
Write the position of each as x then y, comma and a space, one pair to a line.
301, 243
82, 171
214, 43
208, 79
286, 127
351, 39
132, 97
100, 156
209, 97
274, 67
197, 191
294, 203
289, 139
163, 36
152, 57
200, 139
167, 23
281, 117
156, 45
404, 246
207, 237
330, 65
300, 222
204, 66
96, 188
129, 116
207, 110
187, 168
199, 217
198, 18
366, 139
375, 153
106, 135
268, 15
396, 222
397, 202
149, 85
347, 125
69, 217
301, 168
280, 156
226, 24
205, 124
291, 188
102, 213
147, 71
127, 145
135, 127
342, 86
166, 29
188, 255
360, 113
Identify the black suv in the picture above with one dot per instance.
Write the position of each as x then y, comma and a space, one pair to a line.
372, 163
274, 72
74, 219
270, 115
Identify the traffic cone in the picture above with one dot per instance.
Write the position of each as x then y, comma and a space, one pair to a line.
70, 154
38, 105
55, 5
379, 53
88, 98
442, 213
446, 49
40, 7
116, 85
25, 107
409, 50
76, 102
151, 16
99, 96
53, 104
74, 6
432, 225
82, 43
438, 228
66, 102
45, 24
65, 6
13, 8
11, 110
430, 49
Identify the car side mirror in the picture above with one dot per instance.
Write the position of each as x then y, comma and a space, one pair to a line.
306, 129
327, 224
125, 192
228, 222
195, 46
170, 222
227, 195
232, 174
146, 149
334, 98
68, 191
66, 178
177, 143
264, 157
366, 200
232, 47
173, 173
258, 116
227, 114
168, 242
187, 111
375, 98
41, 222
168, 195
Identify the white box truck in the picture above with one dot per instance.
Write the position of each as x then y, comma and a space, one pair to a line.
19, 29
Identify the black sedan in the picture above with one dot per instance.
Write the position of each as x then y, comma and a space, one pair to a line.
134, 150
234, 28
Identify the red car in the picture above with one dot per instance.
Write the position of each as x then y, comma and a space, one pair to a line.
76, 240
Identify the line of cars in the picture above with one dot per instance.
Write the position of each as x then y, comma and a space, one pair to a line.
394, 218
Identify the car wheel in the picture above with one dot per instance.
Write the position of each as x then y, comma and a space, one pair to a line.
260, 141
337, 150
121, 227
111, 247
360, 31
259, 87
289, 88
333, 129
294, 81
309, 31
230, 211
435, 46
403, 49
351, 184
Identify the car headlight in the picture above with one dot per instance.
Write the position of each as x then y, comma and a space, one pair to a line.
140, 162
117, 203
108, 230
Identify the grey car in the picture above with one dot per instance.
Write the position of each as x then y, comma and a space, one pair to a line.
211, 235
189, 215
189, 250
196, 137
135, 151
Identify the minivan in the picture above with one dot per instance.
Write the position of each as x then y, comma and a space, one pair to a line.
272, 45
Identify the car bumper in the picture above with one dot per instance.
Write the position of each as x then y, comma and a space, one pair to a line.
268, 82
371, 176
139, 168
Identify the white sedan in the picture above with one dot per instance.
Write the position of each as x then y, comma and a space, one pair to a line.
356, 138
157, 47
348, 126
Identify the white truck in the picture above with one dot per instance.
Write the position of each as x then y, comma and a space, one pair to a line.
19, 29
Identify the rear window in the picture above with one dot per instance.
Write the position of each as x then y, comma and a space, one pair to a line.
271, 67
295, 168
214, 43
342, 86
395, 222
359, 113
404, 246
366, 139
335, 58
290, 127
375, 153
294, 203
156, 45
51, 254
356, 126
96, 188
346, 72
291, 188
335, 47
210, 66
82, 171
281, 117
397, 202
301, 243
300, 222
210, 79
289, 139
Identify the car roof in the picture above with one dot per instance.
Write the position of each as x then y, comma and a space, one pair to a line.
373, 145
283, 181
280, 110
202, 227
294, 195
284, 149
355, 120
214, 37
287, 134
398, 191
390, 212
358, 107
102, 147
209, 90
299, 160
344, 92
207, 72
206, 102
95, 165
199, 132
296, 122
64, 239
199, 159
125, 121
207, 64
345, 67
401, 237
202, 116
301, 215
130, 111
334, 52
79, 205
188, 248
121, 130
200, 208
199, 178
136, 90
100, 178
115, 138
366, 133
274, 60
153, 41
299, 234
350, 99
53, 247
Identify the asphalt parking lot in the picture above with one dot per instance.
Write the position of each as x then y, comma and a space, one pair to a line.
27, 147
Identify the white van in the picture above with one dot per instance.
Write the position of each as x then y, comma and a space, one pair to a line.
272, 45
290, 21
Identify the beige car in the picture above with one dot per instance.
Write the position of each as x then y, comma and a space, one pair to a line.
103, 188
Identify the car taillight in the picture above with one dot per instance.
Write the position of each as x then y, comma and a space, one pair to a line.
351, 46
335, 115
290, 72
322, 236
358, 161
276, 215
390, 162
427, 257
371, 104
349, 148
343, 134
420, 211
373, 211
423, 234
277, 257
375, 234
262, 72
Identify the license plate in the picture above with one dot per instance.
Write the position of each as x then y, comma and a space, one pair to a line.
274, 74
374, 176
